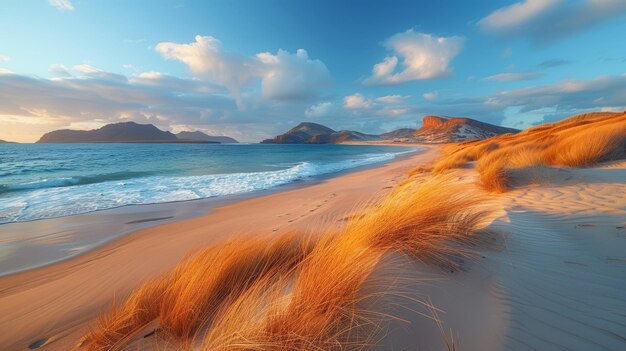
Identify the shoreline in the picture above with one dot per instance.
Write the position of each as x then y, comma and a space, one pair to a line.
56, 239
67, 295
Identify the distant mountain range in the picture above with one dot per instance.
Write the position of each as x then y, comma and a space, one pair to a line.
129, 132
6, 142
205, 137
436, 129
313, 133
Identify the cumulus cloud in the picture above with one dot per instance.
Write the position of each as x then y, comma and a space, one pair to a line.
207, 60
512, 77
319, 110
283, 76
62, 5
363, 107
548, 20
357, 102
288, 76
415, 56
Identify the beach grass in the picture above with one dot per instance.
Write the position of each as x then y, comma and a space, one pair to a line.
296, 291
579, 141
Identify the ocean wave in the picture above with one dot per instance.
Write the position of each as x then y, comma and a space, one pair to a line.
54, 198
44, 183
69, 181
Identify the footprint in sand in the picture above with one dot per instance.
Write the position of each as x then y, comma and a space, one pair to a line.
37, 344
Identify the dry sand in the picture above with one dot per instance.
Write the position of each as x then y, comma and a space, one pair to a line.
549, 275
57, 302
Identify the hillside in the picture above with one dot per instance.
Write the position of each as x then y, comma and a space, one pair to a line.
402, 133
313, 133
111, 133
197, 135
436, 129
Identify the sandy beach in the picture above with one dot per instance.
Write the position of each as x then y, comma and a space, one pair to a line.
57, 302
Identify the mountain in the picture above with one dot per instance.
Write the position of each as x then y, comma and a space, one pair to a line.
313, 133
125, 132
436, 129
402, 133
6, 142
201, 136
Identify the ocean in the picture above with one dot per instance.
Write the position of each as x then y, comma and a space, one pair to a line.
39, 181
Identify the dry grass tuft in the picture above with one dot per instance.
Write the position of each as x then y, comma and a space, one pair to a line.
579, 141
295, 292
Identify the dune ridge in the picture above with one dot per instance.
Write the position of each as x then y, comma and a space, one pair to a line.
579, 141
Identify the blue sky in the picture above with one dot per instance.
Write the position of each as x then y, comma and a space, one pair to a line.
252, 69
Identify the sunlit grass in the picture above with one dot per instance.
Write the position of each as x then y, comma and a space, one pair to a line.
296, 291
579, 141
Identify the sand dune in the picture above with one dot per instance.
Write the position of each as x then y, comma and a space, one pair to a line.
550, 276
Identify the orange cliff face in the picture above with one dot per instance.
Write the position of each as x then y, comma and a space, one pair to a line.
436, 129
436, 121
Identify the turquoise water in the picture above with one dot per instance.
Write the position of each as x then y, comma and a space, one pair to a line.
40, 181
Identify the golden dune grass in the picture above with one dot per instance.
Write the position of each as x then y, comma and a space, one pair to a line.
297, 292
189, 297
579, 141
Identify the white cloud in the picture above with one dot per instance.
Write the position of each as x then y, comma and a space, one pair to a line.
392, 99
431, 96
62, 5
4, 58
283, 76
548, 20
5, 71
292, 77
207, 60
423, 56
511, 77
319, 110
517, 15
357, 102
362, 107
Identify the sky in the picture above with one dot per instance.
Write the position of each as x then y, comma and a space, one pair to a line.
252, 69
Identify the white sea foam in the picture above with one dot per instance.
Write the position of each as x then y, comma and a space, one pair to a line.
46, 200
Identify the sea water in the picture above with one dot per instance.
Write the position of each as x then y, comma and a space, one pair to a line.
40, 181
